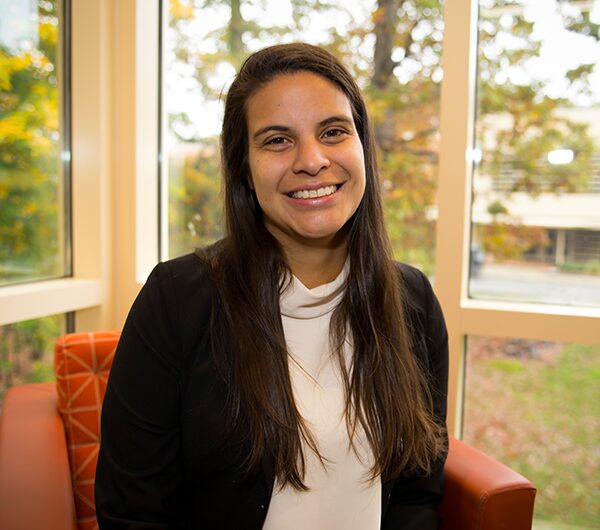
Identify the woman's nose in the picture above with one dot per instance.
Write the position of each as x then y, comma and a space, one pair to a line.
310, 157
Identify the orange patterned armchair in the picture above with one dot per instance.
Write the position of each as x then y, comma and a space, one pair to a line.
50, 435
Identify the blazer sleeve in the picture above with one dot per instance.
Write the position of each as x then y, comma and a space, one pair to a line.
414, 500
139, 474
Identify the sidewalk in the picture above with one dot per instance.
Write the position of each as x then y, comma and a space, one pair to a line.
535, 283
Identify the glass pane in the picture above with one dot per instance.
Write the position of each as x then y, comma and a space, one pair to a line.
32, 183
205, 42
27, 351
534, 406
536, 189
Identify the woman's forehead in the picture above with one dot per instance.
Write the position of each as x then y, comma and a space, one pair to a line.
297, 96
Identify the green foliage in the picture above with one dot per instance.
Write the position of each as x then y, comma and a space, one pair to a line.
533, 124
403, 98
195, 203
580, 22
30, 189
587, 267
505, 240
26, 351
508, 366
30, 192
520, 124
41, 372
497, 208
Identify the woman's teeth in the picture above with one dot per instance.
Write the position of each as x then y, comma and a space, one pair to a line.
313, 194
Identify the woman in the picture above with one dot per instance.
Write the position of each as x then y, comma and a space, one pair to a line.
291, 376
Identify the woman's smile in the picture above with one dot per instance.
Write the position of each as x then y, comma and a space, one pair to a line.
314, 193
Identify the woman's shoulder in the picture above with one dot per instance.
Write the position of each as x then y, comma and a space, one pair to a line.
419, 299
187, 269
410, 273
173, 309
175, 284
184, 282
182, 277
416, 287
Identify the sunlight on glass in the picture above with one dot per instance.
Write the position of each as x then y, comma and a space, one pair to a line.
558, 157
536, 186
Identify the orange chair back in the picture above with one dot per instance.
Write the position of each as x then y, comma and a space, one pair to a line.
81, 365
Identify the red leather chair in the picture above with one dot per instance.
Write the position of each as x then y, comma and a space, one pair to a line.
49, 439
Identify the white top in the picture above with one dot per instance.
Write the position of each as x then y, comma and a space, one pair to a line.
340, 495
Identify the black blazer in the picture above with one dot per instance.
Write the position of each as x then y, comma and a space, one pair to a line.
165, 459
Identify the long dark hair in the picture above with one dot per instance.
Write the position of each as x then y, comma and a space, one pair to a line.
386, 392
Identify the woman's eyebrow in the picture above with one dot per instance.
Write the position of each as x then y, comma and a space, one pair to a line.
322, 123
269, 128
336, 119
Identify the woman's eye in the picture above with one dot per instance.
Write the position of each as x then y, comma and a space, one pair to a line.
333, 133
278, 140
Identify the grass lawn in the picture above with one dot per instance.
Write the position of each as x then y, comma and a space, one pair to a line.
550, 525
535, 406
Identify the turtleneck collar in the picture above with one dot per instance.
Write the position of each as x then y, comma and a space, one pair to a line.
298, 301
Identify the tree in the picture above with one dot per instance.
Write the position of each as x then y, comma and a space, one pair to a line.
395, 53
403, 95
521, 122
29, 156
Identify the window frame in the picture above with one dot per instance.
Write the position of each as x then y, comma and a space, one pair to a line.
45, 297
113, 118
115, 190
467, 316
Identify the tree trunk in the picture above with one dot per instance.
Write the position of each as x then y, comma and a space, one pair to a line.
385, 29
236, 27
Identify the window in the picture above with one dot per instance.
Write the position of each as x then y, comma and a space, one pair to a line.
204, 44
535, 217
35, 238
530, 291
34, 153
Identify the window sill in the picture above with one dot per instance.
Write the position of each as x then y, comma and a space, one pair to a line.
559, 323
45, 298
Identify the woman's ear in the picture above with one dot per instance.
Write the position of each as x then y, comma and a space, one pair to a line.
250, 182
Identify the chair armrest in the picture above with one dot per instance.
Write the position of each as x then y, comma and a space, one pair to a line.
482, 494
35, 479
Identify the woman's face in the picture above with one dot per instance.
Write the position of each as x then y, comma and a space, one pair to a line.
306, 159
